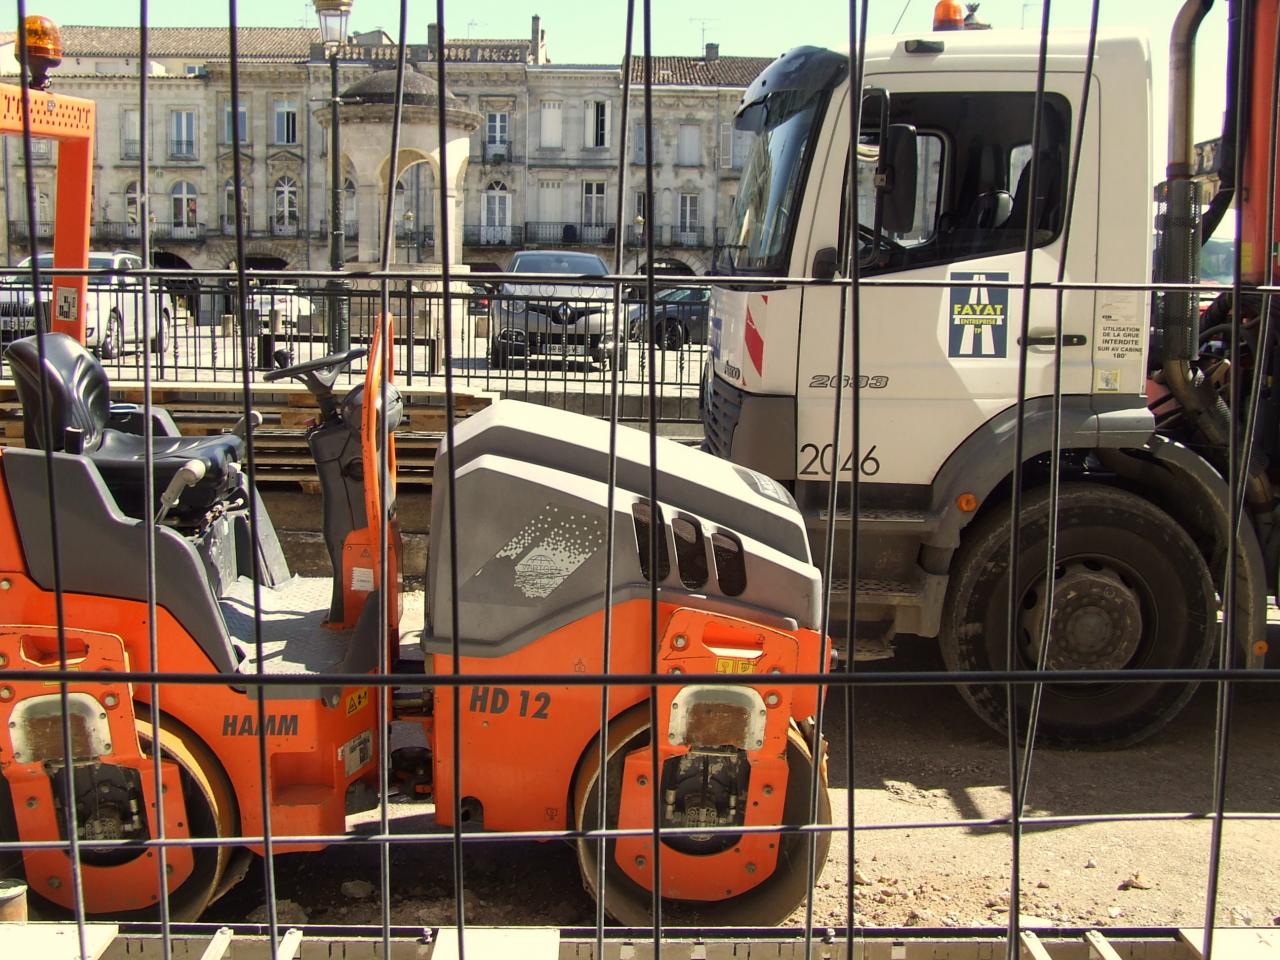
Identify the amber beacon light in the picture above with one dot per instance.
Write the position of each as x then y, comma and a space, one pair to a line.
948, 15
44, 49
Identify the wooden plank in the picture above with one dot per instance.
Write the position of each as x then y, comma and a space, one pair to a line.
217, 947
55, 939
1238, 943
290, 943
487, 943
1099, 949
1032, 948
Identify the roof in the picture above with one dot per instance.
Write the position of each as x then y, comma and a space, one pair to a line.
380, 87
205, 43
700, 72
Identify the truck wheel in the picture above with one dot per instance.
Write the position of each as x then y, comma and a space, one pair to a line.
671, 334
1131, 591
768, 904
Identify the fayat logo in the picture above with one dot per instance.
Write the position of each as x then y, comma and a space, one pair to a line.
753, 340
978, 322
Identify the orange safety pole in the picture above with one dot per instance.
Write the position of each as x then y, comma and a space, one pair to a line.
1251, 194
70, 121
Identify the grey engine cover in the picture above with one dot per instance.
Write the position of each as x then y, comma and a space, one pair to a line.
532, 513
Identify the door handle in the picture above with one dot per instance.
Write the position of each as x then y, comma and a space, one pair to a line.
1048, 340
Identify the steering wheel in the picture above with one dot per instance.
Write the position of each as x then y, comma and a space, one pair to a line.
331, 364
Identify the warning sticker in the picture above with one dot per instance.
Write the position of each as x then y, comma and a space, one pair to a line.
733, 665
1106, 380
357, 700
356, 752
362, 579
68, 306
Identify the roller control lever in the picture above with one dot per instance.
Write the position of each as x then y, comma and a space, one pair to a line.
188, 475
240, 429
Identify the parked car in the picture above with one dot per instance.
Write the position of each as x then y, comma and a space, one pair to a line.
479, 301
113, 308
563, 319
679, 317
292, 303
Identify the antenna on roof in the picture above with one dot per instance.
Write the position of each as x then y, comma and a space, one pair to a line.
703, 21
471, 24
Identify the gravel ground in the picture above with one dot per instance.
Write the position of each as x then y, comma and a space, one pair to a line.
919, 756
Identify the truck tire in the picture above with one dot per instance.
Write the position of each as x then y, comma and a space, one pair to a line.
1131, 591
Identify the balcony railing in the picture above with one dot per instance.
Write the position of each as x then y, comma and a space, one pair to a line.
227, 224
287, 229
687, 237
474, 234
130, 149
178, 231
21, 229
499, 152
559, 233
182, 149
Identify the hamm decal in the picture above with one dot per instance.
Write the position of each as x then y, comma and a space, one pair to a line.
978, 324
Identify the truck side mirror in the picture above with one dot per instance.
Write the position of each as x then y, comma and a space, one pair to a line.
898, 196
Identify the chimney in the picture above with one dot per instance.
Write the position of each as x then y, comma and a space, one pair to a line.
433, 33
536, 35
713, 52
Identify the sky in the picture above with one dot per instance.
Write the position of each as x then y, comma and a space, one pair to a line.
582, 31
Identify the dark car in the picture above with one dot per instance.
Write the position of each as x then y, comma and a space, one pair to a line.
679, 317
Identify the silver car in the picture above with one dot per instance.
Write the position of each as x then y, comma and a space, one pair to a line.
113, 307
563, 319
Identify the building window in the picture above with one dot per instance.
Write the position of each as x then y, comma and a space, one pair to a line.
41, 148
642, 205
229, 206
182, 134
185, 212
132, 209
689, 145
193, 70
596, 123
593, 203
284, 215
130, 135
496, 128
638, 145
350, 212
286, 112
688, 227
243, 114
551, 129
495, 214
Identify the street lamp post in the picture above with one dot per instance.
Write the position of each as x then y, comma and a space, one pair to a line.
333, 16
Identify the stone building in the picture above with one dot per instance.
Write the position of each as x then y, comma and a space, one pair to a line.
534, 154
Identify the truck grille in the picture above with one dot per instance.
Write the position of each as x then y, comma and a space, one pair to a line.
720, 416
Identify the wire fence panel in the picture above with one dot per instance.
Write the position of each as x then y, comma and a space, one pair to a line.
942, 399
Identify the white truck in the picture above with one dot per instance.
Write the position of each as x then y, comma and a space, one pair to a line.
945, 196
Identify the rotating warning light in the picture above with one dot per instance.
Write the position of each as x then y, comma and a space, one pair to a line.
44, 49
948, 15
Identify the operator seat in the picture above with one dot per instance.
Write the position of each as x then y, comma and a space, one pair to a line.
79, 397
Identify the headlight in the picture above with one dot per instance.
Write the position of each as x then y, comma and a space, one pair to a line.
514, 306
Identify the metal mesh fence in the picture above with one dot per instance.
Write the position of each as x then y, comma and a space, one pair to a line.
150, 767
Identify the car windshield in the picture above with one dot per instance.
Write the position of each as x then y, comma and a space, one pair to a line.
575, 264
762, 222
46, 261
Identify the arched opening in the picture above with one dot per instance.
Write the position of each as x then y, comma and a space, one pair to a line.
182, 294
350, 210
265, 262
284, 209
184, 210
495, 213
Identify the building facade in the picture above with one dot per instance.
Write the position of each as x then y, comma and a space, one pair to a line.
543, 164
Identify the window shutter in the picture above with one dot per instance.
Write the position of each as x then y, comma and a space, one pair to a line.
588, 122
608, 123
726, 145
551, 123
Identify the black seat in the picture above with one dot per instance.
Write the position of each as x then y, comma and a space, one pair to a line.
80, 406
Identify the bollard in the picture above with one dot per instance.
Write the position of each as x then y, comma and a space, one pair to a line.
13, 901
228, 324
267, 340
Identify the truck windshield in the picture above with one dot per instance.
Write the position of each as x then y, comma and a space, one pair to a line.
759, 236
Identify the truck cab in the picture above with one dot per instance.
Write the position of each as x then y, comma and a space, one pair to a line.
946, 200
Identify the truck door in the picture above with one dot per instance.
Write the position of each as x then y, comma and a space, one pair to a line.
940, 362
